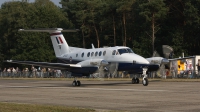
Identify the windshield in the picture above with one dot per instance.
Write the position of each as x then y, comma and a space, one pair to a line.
127, 50
130, 51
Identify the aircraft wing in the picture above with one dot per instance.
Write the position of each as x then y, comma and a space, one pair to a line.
46, 64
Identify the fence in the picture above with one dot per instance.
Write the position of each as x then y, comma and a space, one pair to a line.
176, 74
25, 74
65, 74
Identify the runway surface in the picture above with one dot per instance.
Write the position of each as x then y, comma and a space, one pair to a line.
105, 95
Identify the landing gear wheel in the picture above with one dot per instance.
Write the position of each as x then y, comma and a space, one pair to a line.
74, 83
133, 81
137, 81
78, 83
145, 82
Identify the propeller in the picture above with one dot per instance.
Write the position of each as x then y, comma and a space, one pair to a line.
109, 69
167, 53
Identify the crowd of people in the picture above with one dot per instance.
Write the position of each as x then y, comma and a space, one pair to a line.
42, 72
33, 72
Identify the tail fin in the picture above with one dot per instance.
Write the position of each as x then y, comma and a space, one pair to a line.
59, 43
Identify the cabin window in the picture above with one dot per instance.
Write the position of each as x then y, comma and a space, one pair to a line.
113, 53
100, 53
96, 53
76, 55
82, 55
88, 55
92, 54
104, 53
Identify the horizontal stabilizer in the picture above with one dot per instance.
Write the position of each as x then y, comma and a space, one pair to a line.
46, 64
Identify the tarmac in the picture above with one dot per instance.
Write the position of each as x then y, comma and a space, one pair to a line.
158, 96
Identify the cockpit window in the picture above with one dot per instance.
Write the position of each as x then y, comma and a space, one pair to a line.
121, 51
127, 50
113, 53
130, 51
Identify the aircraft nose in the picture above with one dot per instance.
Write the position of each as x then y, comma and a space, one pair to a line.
142, 60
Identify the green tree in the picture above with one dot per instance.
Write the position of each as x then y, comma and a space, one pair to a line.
110, 20
77, 11
10, 12
124, 7
26, 45
192, 26
153, 11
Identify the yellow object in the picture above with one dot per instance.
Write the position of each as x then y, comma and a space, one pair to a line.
181, 66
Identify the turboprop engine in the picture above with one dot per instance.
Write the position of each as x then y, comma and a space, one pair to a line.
158, 60
104, 68
161, 62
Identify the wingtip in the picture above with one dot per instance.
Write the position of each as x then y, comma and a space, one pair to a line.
8, 60
71, 65
20, 29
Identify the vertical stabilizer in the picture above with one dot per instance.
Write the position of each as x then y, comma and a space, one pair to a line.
59, 43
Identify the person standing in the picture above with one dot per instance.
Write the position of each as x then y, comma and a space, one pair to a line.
198, 68
4, 72
0, 72
58, 73
9, 72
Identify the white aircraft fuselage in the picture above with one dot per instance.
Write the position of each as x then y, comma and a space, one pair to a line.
127, 61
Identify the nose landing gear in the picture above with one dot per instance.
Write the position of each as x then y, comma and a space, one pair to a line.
145, 81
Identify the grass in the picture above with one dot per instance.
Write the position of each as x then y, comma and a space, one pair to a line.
14, 107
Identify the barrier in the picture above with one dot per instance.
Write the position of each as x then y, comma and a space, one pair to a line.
29, 74
64, 74
176, 74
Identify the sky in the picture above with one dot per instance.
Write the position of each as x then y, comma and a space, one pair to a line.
54, 1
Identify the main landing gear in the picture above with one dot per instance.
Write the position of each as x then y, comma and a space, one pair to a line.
135, 80
76, 82
145, 81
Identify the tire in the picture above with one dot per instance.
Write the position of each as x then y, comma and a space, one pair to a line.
78, 83
74, 83
133, 81
137, 81
145, 82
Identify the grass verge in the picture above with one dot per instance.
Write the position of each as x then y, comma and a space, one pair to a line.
13, 107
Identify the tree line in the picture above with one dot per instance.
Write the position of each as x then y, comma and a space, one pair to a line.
143, 25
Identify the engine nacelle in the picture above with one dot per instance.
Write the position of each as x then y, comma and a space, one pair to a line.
93, 62
158, 60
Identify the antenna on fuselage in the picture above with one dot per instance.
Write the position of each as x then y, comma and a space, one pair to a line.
93, 46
